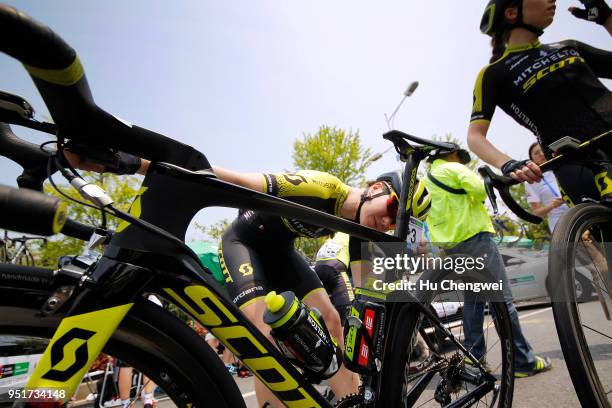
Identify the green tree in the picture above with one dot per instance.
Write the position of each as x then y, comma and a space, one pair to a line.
122, 189
213, 232
536, 232
335, 151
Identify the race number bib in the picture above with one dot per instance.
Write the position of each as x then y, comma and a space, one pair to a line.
415, 234
329, 250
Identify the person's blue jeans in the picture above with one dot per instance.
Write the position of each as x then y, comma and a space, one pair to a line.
482, 245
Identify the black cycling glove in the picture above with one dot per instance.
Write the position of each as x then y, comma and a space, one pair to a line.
512, 166
113, 161
125, 164
595, 10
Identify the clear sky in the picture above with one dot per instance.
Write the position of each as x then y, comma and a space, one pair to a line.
240, 80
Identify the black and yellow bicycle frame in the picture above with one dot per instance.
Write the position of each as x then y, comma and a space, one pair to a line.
138, 261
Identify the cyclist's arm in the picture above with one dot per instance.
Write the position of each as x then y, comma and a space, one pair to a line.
600, 61
254, 181
78, 163
480, 145
249, 180
540, 210
360, 254
483, 108
361, 269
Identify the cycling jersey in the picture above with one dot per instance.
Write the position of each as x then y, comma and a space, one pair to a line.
257, 252
314, 189
552, 89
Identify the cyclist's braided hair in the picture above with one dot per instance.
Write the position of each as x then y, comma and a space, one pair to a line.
499, 45
500, 39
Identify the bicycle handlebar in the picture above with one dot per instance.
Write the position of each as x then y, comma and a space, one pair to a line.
77, 230
31, 212
60, 78
502, 183
27, 155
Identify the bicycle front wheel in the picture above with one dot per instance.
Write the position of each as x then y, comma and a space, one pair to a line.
446, 375
581, 281
149, 339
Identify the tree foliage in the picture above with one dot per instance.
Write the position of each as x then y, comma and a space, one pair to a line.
536, 232
213, 232
335, 151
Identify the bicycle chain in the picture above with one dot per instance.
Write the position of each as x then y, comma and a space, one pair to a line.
350, 401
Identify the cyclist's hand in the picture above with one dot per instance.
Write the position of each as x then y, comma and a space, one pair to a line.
595, 10
75, 161
557, 202
126, 164
524, 170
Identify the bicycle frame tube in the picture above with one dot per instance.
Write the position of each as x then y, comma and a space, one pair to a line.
135, 256
413, 159
17, 253
202, 301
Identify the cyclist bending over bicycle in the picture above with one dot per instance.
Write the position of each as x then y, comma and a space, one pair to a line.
258, 255
333, 261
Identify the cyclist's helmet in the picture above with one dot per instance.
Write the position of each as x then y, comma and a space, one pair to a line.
464, 155
493, 18
421, 199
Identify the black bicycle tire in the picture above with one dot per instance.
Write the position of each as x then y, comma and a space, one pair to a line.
567, 321
148, 340
400, 348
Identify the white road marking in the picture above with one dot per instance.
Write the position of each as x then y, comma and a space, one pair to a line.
534, 313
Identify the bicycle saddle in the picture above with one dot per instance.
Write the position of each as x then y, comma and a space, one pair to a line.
399, 139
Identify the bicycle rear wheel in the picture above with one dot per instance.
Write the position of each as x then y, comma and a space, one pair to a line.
580, 258
152, 341
445, 377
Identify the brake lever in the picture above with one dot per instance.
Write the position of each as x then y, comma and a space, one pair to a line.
488, 183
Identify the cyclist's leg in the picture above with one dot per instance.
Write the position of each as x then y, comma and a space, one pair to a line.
579, 181
309, 288
344, 382
576, 183
247, 287
482, 245
124, 383
337, 284
148, 392
473, 321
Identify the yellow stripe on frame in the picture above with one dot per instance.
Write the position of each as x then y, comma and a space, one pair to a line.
66, 77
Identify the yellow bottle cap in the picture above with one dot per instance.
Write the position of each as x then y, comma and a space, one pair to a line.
274, 302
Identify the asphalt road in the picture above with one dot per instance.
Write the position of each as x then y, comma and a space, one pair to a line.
550, 389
